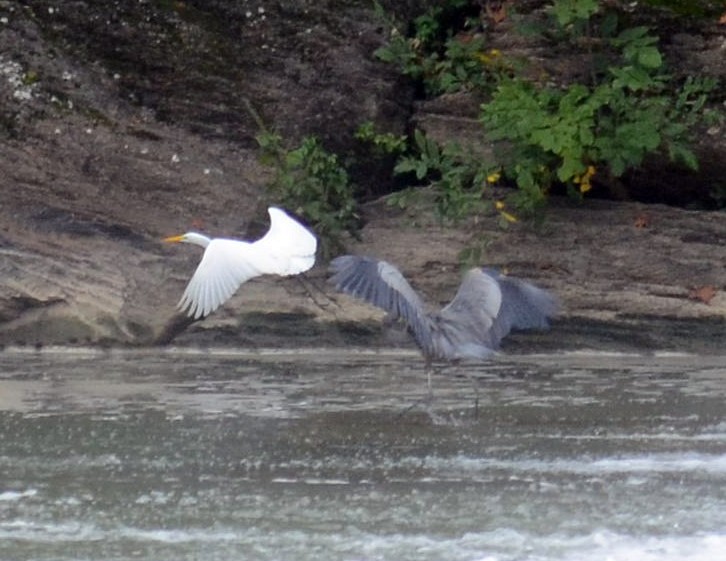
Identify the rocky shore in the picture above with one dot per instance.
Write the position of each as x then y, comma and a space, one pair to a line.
123, 125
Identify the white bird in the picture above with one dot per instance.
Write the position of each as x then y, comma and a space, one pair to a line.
288, 248
487, 306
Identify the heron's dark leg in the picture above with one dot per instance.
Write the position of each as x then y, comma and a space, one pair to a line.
428, 367
429, 397
475, 385
476, 397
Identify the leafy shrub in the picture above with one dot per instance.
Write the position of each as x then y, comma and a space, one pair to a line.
570, 134
382, 144
456, 175
459, 178
591, 130
443, 61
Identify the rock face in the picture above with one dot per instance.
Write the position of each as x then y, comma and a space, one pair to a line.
128, 121
124, 123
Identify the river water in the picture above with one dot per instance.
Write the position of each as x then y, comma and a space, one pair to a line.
335, 455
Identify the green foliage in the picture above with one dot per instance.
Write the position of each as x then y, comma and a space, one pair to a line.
570, 134
596, 128
572, 12
443, 62
383, 144
457, 177
313, 183
474, 254
641, 55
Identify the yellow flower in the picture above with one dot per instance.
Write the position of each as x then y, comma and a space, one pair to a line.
584, 180
489, 57
493, 177
499, 205
507, 216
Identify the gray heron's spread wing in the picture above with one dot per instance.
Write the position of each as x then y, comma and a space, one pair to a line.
524, 306
381, 284
465, 324
486, 307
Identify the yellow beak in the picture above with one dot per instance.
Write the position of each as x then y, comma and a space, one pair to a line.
173, 239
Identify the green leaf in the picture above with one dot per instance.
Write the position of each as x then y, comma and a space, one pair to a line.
650, 57
586, 134
571, 166
681, 153
421, 169
569, 11
633, 34
432, 151
545, 139
617, 166
632, 78
384, 53
404, 165
420, 140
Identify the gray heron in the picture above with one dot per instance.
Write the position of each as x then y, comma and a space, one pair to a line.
487, 306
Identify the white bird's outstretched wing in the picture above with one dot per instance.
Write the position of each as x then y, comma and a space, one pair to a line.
288, 248
381, 284
225, 265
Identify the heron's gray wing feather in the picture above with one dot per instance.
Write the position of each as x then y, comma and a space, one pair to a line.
471, 314
381, 284
524, 306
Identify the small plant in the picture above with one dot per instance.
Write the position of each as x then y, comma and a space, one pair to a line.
573, 13
442, 61
458, 177
313, 183
382, 144
474, 254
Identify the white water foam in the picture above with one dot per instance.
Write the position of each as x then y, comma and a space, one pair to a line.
647, 463
17, 495
351, 544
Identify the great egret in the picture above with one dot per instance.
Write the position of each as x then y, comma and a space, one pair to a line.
288, 248
487, 306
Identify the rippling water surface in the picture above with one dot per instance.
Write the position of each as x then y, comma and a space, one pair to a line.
332, 455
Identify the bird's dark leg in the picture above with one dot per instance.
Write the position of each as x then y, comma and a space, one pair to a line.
428, 367
476, 398
177, 324
475, 384
310, 286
